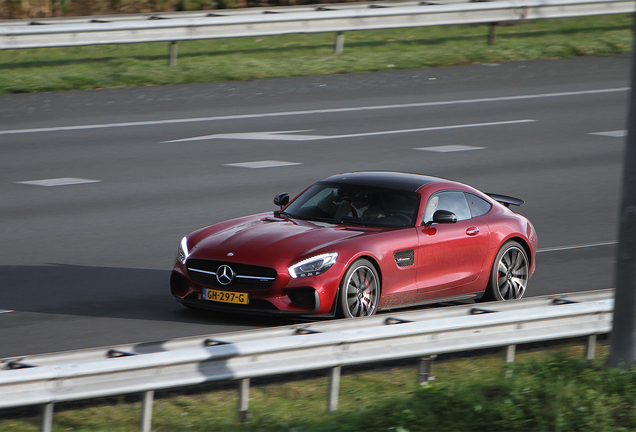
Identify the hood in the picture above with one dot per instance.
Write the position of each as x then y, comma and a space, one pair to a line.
270, 236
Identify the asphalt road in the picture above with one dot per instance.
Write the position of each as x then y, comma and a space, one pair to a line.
88, 264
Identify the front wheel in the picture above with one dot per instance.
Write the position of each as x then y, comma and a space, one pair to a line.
509, 274
359, 290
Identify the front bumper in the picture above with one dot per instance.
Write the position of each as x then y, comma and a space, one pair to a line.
285, 297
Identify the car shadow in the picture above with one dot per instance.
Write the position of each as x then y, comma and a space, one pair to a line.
106, 292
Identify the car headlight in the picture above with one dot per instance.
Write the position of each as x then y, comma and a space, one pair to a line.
182, 252
313, 266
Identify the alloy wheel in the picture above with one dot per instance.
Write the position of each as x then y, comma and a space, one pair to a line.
512, 273
362, 292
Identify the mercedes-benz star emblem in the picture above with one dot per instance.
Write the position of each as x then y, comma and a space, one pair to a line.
225, 274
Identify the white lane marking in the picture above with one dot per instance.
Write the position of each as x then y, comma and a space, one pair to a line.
283, 137
312, 112
265, 136
263, 164
582, 246
613, 134
5, 311
449, 148
59, 181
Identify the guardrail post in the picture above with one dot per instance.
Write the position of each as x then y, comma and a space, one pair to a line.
510, 353
244, 399
146, 410
492, 34
47, 417
509, 356
339, 43
590, 351
424, 374
173, 53
334, 389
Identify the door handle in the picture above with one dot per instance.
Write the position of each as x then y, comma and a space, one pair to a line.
472, 231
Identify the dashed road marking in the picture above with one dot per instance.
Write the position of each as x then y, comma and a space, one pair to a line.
262, 136
263, 164
449, 148
59, 181
613, 134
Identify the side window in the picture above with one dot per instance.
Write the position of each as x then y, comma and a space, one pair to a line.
453, 201
478, 206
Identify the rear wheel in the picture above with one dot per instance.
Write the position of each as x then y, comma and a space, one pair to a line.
509, 274
359, 290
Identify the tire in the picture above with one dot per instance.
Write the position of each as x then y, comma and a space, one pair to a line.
359, 291
509, 274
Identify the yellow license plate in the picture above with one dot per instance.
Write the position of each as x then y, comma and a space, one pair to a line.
226, 296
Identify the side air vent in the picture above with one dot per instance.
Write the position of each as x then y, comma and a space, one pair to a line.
404, 258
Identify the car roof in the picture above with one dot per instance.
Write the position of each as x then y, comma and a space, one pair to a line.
392, 180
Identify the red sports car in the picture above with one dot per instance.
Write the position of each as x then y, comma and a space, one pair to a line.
356, 243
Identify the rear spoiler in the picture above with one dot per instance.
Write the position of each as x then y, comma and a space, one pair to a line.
506, 200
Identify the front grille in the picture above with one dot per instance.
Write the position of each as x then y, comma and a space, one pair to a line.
246, 277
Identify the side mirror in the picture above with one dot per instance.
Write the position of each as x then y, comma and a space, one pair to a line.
281, 200
441, 217
444, 216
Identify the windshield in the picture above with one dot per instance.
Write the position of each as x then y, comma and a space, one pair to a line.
358, 205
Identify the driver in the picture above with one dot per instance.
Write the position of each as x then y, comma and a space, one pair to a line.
359, 204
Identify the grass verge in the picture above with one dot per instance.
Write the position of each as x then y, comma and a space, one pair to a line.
546, 390
78, 68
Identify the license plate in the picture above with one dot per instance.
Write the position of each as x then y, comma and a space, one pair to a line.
226, 296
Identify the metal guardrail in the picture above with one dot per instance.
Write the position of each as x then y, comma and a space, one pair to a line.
434, 312
322, 20
339, 343
215, 12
